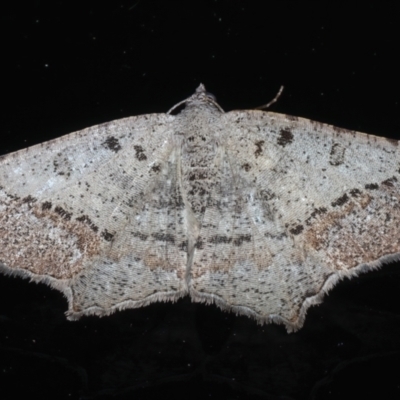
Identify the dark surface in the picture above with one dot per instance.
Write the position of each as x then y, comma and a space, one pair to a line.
66, 66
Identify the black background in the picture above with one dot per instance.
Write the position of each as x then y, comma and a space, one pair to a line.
68, 65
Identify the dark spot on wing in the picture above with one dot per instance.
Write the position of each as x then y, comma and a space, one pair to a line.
85, 219
199, 245
355, 192
246, 167
63, 213
112, 143
267, 195
336, 155
164, 237
285, 137
259, 148
28, 199
107, 235
372, 186
140, 235
315, 213
297, 230
46, 205
390, 182
197, 175
140, 153
237, 240
340, 201
319, 211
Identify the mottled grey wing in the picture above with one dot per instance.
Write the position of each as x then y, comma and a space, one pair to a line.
97, 214
298, 206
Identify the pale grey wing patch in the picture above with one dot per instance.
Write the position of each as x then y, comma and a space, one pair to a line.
146, 255
62, 232
332, 202
335, 187
45, 168
245, 259
41, 212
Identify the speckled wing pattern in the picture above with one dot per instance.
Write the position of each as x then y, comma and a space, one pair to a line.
257, 212
97, 214
299, 205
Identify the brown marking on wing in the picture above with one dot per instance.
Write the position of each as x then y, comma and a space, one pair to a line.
35, 238
349, 237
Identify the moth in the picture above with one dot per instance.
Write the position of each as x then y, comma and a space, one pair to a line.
257, 212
